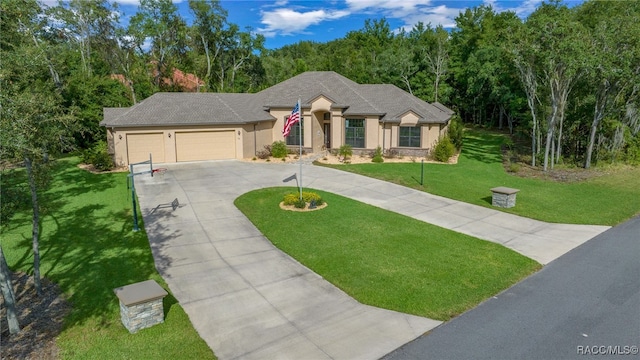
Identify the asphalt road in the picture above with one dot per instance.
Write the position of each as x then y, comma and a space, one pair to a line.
585, 304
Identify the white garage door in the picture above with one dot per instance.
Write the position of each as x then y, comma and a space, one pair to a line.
140, 145
205, 145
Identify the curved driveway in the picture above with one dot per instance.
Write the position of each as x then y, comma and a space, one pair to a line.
249, 300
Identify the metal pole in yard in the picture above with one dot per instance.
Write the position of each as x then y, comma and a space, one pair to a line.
422, 173
300, 157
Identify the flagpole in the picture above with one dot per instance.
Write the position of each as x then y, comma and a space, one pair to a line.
300, 142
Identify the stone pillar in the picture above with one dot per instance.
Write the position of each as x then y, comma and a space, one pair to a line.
504, 197
141, 305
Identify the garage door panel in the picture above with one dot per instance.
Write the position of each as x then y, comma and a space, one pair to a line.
205, 145
139, 146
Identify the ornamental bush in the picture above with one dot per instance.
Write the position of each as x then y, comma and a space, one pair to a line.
98, 156
456, 130
307, 197
300, 204
291, 199
311, 196
377, 155
346, 151
279, 149
444, 149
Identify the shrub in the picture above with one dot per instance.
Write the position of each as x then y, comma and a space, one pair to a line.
291, 199
98, 156
456, 130
300, 204
346, 151
391, 153
377, 155
279, 149
264, 153
444, 149
311, 196
307, 197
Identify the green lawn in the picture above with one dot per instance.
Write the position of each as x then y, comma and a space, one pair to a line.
604, 200
88, 248
386, 259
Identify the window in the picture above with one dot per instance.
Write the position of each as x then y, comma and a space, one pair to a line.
354, 133
409, 136
294, 135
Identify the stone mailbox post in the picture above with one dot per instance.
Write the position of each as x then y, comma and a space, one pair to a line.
141, 305
504, 197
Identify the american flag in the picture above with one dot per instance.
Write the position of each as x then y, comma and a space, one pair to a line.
292, 120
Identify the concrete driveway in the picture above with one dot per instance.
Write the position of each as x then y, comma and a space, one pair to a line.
249, 300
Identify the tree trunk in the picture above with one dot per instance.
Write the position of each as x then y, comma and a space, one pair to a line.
547, 148
534, 132
559, 146
35, 225
437, 84
598, 114
7, 293
553, 146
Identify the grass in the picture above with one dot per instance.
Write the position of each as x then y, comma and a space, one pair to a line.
604, 200
385, 259
88, 248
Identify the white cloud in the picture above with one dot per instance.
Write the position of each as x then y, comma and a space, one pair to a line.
288, 21
409, 11
523, 9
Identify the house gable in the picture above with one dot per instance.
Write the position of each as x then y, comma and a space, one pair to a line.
409, 118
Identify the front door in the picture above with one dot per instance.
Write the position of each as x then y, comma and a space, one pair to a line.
327, 136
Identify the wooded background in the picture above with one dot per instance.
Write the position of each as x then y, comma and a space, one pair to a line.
564, 80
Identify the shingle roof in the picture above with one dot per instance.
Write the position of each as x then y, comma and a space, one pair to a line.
162, 109
386, 101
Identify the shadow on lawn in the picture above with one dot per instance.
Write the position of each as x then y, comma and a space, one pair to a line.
484, 148
87, 244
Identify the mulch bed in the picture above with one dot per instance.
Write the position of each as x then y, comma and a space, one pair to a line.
41, 319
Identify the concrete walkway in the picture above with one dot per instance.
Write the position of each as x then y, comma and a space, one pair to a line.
249, 300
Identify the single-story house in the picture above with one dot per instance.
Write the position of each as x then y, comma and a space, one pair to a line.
335, 111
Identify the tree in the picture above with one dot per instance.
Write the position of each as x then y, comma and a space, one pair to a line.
159, 21
32, 123
397, 64
6, 288
208, 24
559, 52
614, 38
435, 54
86, 23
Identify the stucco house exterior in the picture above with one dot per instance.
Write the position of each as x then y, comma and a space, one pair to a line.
177, 127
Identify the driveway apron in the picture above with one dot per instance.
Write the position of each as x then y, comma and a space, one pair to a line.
249, 300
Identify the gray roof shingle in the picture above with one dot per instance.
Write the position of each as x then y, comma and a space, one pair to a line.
384, 100
387, 101
163, 109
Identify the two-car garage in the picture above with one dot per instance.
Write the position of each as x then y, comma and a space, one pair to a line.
181, 146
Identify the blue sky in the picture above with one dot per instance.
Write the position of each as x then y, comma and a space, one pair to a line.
285, 22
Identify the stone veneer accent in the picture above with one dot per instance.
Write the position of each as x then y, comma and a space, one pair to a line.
141, 305
504, 197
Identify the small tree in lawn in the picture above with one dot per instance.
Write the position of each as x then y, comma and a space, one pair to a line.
32, 122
